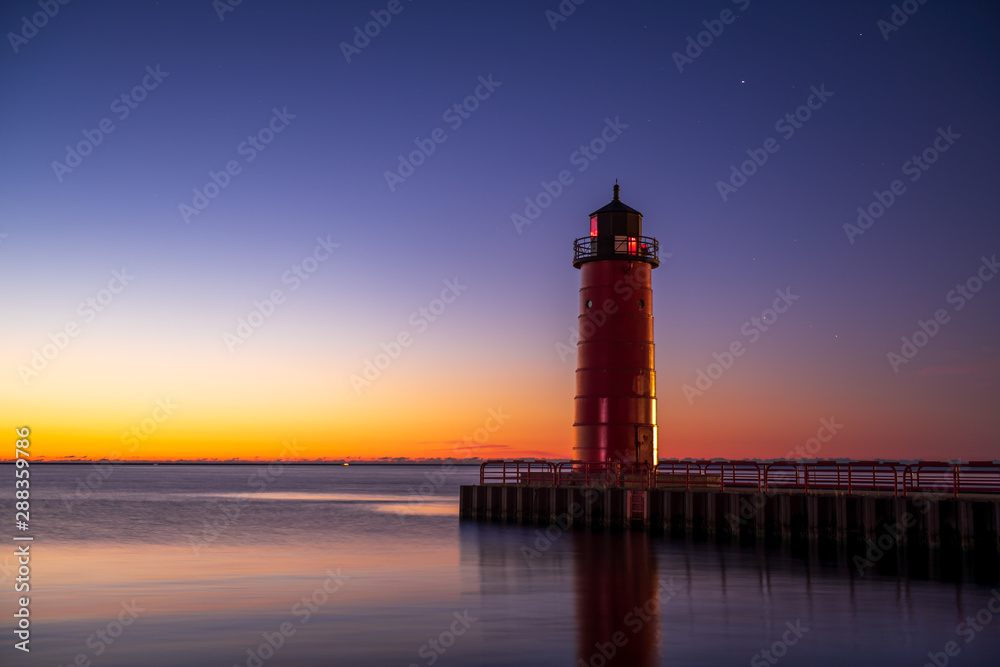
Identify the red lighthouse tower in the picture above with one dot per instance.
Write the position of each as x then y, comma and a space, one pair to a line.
615, 376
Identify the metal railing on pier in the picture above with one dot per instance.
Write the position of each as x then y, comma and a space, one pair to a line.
517, 472
849, 477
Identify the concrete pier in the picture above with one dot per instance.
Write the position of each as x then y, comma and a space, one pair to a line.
922, 519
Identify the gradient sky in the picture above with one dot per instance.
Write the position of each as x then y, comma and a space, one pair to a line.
495, 347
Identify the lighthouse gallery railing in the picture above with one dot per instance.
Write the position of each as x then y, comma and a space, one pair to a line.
640, 247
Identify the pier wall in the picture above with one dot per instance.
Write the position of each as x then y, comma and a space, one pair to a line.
933, 520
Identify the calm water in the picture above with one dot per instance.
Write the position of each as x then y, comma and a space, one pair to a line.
192, 566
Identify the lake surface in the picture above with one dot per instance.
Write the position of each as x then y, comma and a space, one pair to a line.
370, 565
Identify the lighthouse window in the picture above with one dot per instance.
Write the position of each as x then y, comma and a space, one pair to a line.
641, 304
589, 303
593, 226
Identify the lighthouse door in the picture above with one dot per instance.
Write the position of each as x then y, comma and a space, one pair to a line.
644, 444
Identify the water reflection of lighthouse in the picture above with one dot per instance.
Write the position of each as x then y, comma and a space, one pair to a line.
618, 600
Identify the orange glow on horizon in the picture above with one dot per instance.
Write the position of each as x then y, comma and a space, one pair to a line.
426, 406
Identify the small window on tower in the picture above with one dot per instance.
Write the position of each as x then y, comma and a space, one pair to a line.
641, 304
589, 303
593, 226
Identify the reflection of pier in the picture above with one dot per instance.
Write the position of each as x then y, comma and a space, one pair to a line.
925, 505
708, 603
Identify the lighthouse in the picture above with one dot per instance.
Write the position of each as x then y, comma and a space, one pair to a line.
615, 404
